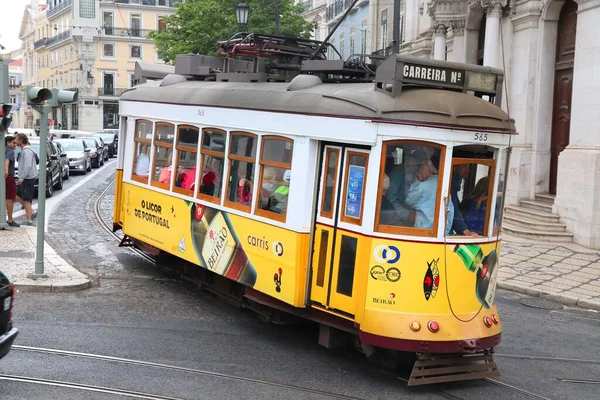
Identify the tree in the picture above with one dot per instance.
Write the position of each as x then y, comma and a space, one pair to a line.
197, 25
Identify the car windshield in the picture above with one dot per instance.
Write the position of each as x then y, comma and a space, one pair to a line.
106, 137
91, 143
74, 145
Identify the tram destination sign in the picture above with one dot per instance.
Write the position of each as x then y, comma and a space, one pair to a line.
436, 75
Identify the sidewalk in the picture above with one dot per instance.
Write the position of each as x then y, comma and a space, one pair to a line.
17, 260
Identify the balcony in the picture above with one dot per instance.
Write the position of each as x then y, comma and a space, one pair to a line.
336, 8
40, 43
307, 4
110, 91
58, 38
127, 33
159, 3
58, 8
14, 85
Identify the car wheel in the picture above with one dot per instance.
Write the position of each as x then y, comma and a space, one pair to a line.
59, 184
89, 167
67, 175
49, 186
101, 162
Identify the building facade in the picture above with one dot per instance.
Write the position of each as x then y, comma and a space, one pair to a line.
91, 46
352, 36
15, 94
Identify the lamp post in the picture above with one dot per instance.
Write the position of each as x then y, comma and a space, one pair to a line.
241, 12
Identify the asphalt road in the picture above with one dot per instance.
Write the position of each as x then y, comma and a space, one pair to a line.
136, 312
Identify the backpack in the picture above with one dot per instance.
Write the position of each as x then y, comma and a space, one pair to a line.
37, 159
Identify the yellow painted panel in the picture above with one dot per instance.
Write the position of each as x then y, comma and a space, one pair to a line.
269, 259
321, 263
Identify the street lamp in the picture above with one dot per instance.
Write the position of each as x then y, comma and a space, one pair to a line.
241, 12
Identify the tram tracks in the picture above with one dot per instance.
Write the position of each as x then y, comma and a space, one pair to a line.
147, 364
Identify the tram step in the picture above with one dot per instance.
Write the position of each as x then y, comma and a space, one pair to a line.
532, 214
531, 224
454, 368
546, 236
545, 198
537, 206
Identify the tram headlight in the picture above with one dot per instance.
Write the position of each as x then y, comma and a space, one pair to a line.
495, 319
415, 326
487, 320
433, 326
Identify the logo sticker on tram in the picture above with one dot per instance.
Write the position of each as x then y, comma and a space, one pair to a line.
278, 249
386, 254
379, 273
431, 282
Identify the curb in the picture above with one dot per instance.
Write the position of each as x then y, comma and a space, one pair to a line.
558, 298
58, 287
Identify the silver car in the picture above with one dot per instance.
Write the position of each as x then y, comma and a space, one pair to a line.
79, 156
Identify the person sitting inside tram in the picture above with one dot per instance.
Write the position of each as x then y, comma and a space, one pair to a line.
278, 200
474, 205
209, 183
387, 213
189, 179
459, 173
401, 173
142, 162
422, 194
244, 191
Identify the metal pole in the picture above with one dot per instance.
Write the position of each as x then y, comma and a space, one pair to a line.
3, 99
277, 4
396, 41
41, 211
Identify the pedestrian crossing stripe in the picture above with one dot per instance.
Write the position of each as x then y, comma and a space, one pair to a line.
181, 245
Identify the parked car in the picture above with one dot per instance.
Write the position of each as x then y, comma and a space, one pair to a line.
54, 175
8, 332
111, 139
80, 159
64, 160
96, 151
103, 147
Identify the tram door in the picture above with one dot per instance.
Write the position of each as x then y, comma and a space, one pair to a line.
336, 246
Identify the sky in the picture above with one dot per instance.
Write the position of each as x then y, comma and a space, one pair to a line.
10, 22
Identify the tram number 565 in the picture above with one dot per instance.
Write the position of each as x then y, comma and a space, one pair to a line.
481, 137
201, 112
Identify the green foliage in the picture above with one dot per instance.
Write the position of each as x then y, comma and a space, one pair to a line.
197, 25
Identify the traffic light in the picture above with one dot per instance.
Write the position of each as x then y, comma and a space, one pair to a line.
62, 96
5, 118
36, 96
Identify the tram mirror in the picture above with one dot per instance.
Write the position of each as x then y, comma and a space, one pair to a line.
398, 154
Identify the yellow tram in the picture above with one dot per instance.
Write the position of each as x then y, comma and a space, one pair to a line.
372, 208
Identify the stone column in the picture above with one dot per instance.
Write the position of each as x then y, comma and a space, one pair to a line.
578, 185
439, 43
491, 50
458, 53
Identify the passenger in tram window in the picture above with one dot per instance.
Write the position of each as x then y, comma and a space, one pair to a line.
189, 179
244, 191
401, 172
422, 194
278, 200
209, 183
459, 174
474, 205
387, 212
165, 172
142, 165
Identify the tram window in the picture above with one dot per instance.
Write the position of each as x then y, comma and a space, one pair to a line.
212, 157
470, 191
500, 194
242, 156
345, 280
408, 187
186, 160
354, 187
141, 156
330, 182
163, 155
275, 177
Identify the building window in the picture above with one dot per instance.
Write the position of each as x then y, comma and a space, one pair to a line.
384, 29
242, 156
186, 159
275, 177
108, 50
162, 25
342, 42
162, 3
163, 155
108, 23
331, 51
135, 25
352, 39
131, 79
12, 80
212, 160
141, 155
317, 31
136, 51
87, 9
12, 99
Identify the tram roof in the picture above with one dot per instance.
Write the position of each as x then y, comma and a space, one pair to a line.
424, 106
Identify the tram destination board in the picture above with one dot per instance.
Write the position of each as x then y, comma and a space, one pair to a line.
451, 78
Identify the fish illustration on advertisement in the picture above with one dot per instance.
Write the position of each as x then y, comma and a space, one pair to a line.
431, 281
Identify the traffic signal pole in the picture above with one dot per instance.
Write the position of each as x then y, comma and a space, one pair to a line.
3, 100
42, 179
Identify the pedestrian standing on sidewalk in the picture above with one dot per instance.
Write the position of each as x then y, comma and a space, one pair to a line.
27, 176
9, 178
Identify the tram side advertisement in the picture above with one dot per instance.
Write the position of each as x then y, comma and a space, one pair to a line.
226, 244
